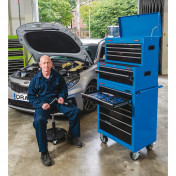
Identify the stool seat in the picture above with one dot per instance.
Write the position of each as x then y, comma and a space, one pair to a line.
56, 135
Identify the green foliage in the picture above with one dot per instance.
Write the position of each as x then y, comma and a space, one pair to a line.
72, 3
55, 11
105, 13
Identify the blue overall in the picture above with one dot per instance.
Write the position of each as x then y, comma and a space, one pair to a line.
42, 90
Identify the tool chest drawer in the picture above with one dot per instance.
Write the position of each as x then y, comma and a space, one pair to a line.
116, 122
125, 110
113, 130
14, 43
115, 74
108, 98
124, 52
122, 116
17, 52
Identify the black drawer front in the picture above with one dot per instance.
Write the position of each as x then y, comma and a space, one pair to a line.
116, 122
14, 43
122, 116
14, 65
15, 53
111, 129
126, 110
124, 52
115, 78
124, 72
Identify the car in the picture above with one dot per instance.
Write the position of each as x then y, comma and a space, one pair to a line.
75, 59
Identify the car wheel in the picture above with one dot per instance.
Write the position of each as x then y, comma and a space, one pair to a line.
89, 106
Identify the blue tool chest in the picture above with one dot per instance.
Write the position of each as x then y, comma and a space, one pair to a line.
127, 84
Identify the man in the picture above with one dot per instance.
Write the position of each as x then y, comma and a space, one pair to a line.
46, 85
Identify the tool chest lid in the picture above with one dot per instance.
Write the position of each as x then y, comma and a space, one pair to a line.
145, 25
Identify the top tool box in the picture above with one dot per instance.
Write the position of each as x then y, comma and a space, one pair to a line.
16, 58
127, 84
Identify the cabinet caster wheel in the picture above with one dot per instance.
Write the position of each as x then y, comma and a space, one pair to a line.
149, 147
134, 156
103, 138
55, 142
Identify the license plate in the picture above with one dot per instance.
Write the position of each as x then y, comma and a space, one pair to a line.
21, 97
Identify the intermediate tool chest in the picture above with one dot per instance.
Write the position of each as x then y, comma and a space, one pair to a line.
127, 84
16, 58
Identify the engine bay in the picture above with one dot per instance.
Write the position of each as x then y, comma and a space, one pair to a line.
68, 69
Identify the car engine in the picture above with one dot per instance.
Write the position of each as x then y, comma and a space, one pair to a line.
68, 69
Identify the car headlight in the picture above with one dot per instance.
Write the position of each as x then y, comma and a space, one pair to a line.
72, 83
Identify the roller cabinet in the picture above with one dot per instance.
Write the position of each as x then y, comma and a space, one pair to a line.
127, 84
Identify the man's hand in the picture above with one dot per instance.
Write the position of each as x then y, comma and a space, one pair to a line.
46, 106
60, 100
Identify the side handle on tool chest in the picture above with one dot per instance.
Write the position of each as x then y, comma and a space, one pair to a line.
141, 91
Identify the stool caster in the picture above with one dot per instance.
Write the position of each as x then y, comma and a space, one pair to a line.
54, 142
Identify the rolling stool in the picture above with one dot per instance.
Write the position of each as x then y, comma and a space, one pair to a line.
56, 135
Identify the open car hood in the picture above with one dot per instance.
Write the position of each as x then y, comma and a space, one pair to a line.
51, 39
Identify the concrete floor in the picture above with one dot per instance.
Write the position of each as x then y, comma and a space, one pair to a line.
94, 158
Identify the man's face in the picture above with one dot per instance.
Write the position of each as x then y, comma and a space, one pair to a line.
45, 63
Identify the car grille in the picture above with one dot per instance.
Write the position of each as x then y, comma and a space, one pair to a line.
21, 104
18, 88
27, 105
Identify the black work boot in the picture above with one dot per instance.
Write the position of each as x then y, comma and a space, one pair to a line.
46, 160
74, 141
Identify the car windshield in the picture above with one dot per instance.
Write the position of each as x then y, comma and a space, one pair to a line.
64, 58
91, 50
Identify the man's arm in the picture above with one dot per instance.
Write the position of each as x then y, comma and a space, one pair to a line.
63, 91
32, 95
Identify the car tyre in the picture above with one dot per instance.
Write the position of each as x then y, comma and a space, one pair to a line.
89, 106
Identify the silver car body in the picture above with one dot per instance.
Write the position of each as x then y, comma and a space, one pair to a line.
86, 76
